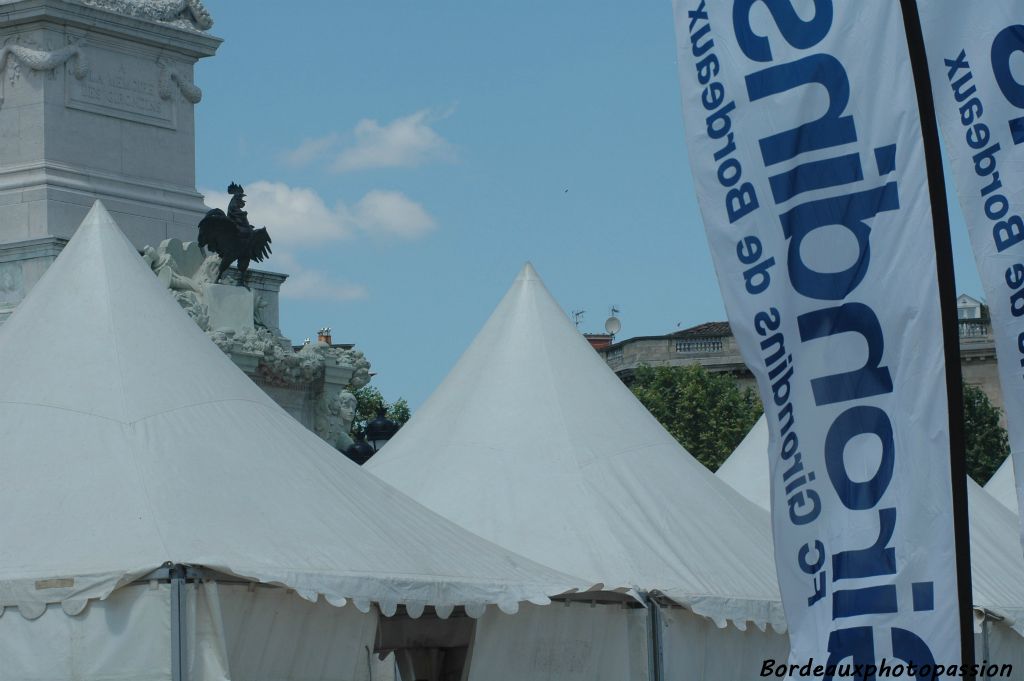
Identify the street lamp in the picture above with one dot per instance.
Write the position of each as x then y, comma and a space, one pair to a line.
360, 451
380, 429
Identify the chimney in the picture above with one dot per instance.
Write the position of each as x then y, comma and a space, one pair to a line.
324, 335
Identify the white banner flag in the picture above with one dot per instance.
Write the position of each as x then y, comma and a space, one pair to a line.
976, 60
805, 142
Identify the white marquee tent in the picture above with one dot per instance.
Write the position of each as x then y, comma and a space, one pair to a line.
997, 564
1002, 485
130, 442
532, 442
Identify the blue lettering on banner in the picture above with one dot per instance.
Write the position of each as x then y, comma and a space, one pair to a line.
740, 199
1007, 228
1008, 42
818, 155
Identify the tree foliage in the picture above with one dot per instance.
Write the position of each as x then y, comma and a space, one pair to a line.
709, 415
987, 443
705, 412
368, 400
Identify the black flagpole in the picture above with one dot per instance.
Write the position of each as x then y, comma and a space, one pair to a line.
950, 326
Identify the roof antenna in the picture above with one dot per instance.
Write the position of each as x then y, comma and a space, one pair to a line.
577, 317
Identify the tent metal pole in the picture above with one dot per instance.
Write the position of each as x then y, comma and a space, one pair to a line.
984, 641
178, 595
654, 659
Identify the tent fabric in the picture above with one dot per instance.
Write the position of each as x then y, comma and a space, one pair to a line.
130, 440
271, 634
532, 442
997, 565
562, 642
127, 636
696, 650
233, 632
1002, 485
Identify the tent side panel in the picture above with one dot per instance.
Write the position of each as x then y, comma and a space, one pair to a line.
563, 643
694, 648
270, 633
127, 636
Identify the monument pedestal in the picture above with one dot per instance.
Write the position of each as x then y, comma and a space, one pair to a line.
96, 102
230, 308
21, 266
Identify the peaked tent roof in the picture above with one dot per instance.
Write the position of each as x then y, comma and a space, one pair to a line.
997, 565
1002, 485
129, 440
532, 442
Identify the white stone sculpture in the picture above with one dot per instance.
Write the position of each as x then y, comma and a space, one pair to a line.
168, 75
14, 56
183, 13
334, 417
328, 375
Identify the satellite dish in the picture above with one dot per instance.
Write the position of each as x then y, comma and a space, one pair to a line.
612, 325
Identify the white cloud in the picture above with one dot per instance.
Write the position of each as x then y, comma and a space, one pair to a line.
295, 216
310, 150
392, 213
298, 218
315, 285
308, 284
288, 214
403, 142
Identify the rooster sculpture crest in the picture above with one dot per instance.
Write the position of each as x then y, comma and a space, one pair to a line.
232, 237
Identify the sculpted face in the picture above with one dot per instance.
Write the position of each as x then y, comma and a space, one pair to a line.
347, 406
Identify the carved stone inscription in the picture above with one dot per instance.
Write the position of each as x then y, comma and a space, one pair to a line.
12, 285
121, 85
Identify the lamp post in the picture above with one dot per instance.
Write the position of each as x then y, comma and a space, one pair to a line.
360, 451
380, 430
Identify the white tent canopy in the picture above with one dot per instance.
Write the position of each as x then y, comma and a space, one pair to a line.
997, 566
532, 442
129, 440
1002, 485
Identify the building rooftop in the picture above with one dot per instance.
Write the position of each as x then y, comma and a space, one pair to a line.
705, 330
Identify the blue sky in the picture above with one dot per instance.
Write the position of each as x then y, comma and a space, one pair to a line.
409, 156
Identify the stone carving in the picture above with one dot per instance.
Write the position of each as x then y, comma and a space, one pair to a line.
42, 60
188, 14
333, 419
280, 365
168, 75
260, 313
184, 269
330, 374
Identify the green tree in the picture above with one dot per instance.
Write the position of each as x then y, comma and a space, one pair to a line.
368, 400
987, 443
705, 412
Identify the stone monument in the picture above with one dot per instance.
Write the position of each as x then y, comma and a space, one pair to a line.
97, 102
88, 90
314, 383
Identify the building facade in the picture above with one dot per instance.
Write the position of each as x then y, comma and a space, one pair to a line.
713, 346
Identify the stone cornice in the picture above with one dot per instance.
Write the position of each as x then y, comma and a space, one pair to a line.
75, 16
48, 246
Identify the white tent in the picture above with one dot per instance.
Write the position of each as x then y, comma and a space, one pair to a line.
532, 442
1002, 485
997, 565
128, 442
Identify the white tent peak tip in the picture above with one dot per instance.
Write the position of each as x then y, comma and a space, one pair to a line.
98, 215
97, 223
528, 273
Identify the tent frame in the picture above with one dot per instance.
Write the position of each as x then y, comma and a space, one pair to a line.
177, 575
